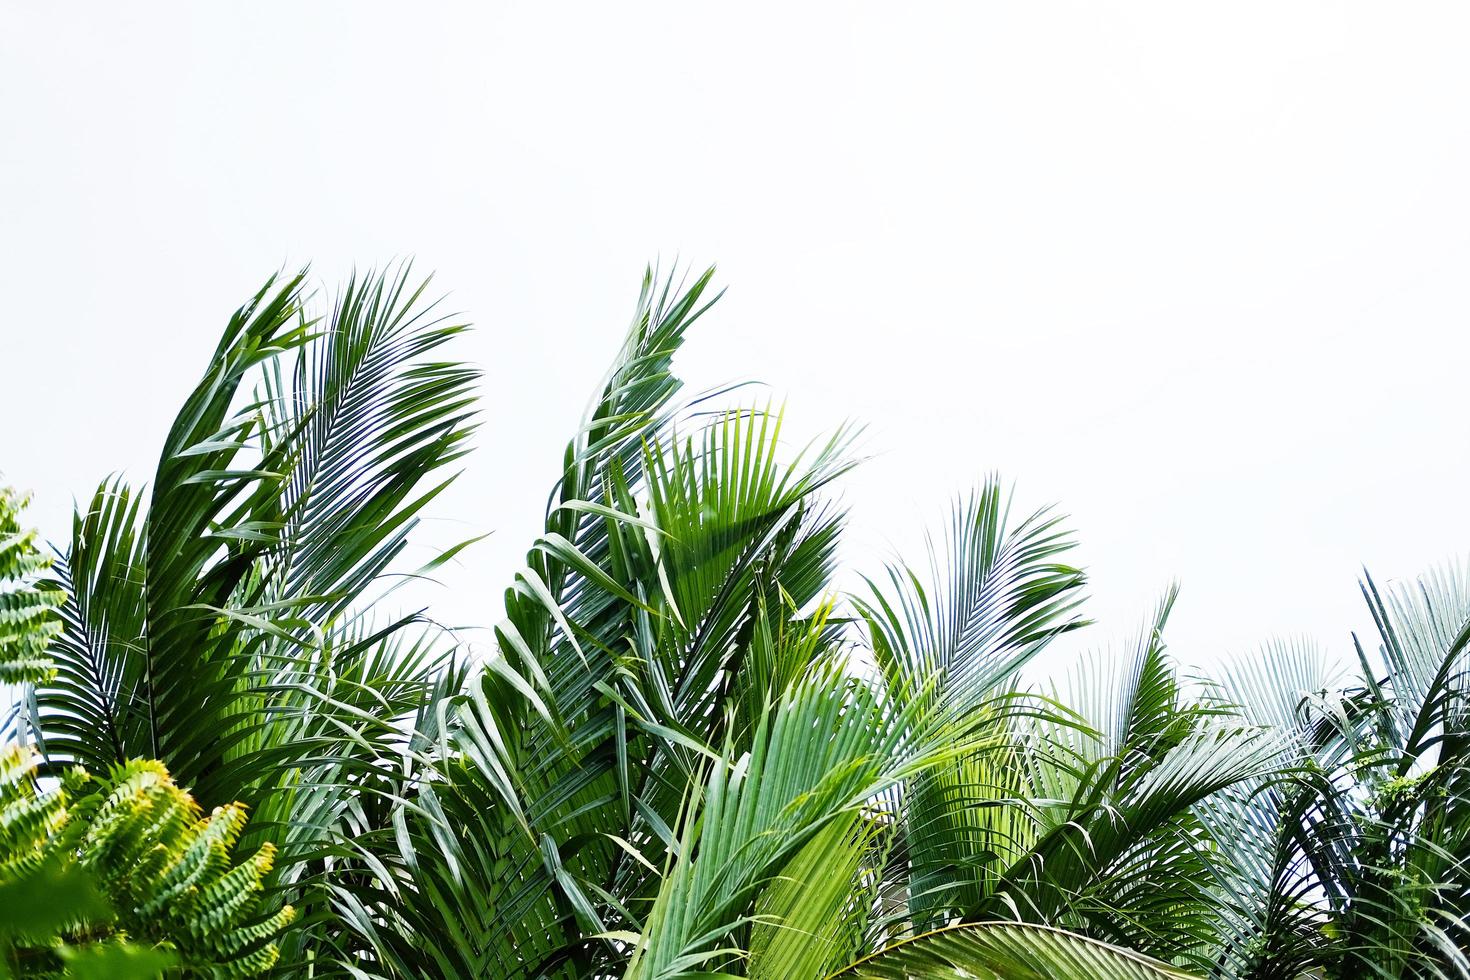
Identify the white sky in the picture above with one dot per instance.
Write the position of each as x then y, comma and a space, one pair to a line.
1195, 272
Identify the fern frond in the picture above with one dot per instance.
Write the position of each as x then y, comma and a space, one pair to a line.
168, 875
28, 619
173, 875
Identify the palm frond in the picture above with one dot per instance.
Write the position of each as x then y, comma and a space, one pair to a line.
519, 822
825, 748
1007, 951
994, 597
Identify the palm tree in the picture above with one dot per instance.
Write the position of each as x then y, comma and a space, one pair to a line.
686, 754
671, 766
220, 622
1355, 861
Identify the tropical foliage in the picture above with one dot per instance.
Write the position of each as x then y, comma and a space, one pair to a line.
685, 753
28, 620
123, 877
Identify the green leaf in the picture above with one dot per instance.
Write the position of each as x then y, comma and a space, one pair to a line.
116, 961
1006, 951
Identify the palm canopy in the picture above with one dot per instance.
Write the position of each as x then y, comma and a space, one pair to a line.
220, 621
686, 754
1356, 858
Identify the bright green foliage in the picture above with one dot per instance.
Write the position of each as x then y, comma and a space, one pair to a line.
1006, 951
28, 619
124, 874
171, 876
115, 961
31, 821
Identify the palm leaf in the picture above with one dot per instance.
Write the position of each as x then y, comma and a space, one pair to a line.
1007, 951
994, 597
826, 748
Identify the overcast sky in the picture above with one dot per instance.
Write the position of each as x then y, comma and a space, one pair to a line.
1196, 273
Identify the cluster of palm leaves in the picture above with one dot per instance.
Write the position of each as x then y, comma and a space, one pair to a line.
685, 754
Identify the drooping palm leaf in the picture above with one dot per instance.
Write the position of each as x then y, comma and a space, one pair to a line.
1118, 852
1007, 951
827, 747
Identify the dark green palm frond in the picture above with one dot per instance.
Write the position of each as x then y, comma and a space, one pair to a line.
680, 758
591, 519
267, 520
512, 819
1123, 842
1352, 859
221, 624
743, 548
153, 579
213, 516
666, 561
1424, 635
1116, 850
1272, 911
96, 710
370, 417
1398, 854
